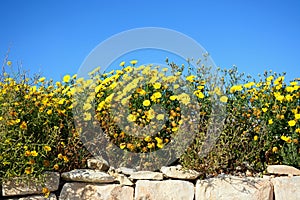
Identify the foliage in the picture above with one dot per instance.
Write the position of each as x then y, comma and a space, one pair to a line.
38, 118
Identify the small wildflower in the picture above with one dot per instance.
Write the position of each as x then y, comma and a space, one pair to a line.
255, 138
275, 149
224, 99
27, 153
34, 153
55, 167
28, 170
146, 103
133, 62
122, 145
67, 78
47, 148
8, 63
122, 64
46, 192
23, 125
292, 123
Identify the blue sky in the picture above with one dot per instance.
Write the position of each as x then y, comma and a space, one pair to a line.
54, 37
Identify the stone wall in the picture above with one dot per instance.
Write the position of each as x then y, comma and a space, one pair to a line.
171, 183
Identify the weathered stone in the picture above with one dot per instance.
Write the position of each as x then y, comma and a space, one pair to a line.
179, 173
36, 197
283, 169
125, 170
166, 190
146, 175
17, 186
87, 175
86, 191
98, 163
286, 187
234, 188
121, 178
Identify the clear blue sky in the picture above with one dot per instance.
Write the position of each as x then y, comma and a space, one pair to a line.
54, 37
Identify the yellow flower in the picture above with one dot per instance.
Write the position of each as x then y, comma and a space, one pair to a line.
279, 80
184, 98
173, 97
156, 95
297, 116
128, 69
122, 64
236, 88
160, 117
47, 148
28, 170
87, 116
151, 145
275, 149
131, 118
141, 91
61, 101
146, 103
87, 106
65, 159
292, 123
270, 121
31, 162
160, 145
46, 192
293, 83
122, 145
34, 153
150, 114
133, 62
255, 138
42, 79
156, 85
56, 167
9, 63
49, 112
158, 140
264, 109
147, 138
190, 78
286, 139
224, 99
289, 97
67, 78
270, 78
27, 153
278, 96
249, 85
23, 125
60, 156
199, 94
297, 130
289, 89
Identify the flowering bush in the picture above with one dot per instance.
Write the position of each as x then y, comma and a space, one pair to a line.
36, 126
42, 129
261, 127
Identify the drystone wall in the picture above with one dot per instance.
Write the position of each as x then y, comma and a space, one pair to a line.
171, 183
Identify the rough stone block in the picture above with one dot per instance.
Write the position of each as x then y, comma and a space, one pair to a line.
88, 191
234, 188
16, 186
164, 190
